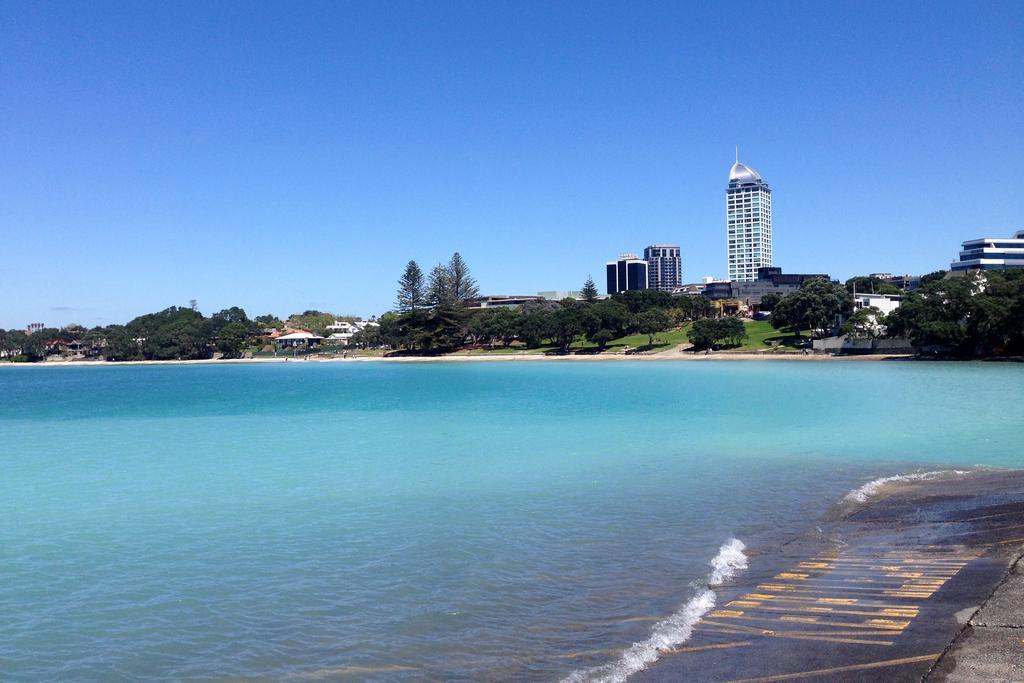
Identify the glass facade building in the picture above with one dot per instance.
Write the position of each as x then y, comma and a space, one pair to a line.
748, 206
629, 272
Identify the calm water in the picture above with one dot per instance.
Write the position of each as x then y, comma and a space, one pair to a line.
378, 521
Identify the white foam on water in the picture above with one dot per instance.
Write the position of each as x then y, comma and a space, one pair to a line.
674, 630
861, 494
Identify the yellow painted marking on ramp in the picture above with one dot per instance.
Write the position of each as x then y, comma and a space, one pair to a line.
840, 669
726, 613
876, 624
791, 575
816, 565
802, 620
888, 623
837, 601
718, 646
1011, 540
797, 635
787, 609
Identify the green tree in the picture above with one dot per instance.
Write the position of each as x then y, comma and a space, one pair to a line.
864, 323
534, 327
492, 325
120, 345
653, 321
268, 321
589, 291
370, 337
814, 307
412, 294
713, 332
439, 289
463, 286
977, 314
868, 284
173, 334
731, 330
601, 338
231, 339
769, 301
703, 333
315, 321
566, 325
612, 315
640, 300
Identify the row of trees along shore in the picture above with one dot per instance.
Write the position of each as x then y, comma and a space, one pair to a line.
175, 333
979, 314
433, 315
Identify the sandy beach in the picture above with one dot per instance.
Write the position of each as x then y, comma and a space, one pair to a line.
670, 355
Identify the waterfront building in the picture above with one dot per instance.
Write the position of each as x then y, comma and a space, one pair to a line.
628, 273
991, 253
664, 266
748, 203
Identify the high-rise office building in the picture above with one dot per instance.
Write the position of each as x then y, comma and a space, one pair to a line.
629, 272
748, 204
664, 266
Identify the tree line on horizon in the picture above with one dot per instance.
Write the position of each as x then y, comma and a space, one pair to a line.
175, 333
979, 314
434, 314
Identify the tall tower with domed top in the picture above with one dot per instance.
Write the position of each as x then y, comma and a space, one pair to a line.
748, 209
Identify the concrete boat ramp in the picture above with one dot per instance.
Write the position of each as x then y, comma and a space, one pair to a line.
923, 582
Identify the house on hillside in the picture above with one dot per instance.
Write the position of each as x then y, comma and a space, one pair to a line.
298, 339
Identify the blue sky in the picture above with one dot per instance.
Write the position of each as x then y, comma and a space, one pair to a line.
282, 157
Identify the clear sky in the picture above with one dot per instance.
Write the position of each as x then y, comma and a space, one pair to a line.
289, 156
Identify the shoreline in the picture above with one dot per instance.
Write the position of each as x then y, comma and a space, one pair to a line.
901, 586
669, 356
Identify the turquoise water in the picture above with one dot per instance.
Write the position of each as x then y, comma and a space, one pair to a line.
466, 520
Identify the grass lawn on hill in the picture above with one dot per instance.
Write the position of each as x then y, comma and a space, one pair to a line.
761, 336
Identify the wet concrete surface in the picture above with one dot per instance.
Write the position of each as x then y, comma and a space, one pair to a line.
918, 583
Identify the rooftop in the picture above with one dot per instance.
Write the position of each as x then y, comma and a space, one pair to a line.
741, 173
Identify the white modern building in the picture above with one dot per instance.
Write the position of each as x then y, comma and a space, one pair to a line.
664, 266
991, 253
748, 204
886, 303
343, 330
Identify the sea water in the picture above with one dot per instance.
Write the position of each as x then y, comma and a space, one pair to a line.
381, 521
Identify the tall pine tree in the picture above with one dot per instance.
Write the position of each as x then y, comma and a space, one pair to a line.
439, 289
411, 293
589, 291
461, 284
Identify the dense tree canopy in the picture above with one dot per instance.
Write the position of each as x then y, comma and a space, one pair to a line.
868, 284
815, 307
716, 332
977, 314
